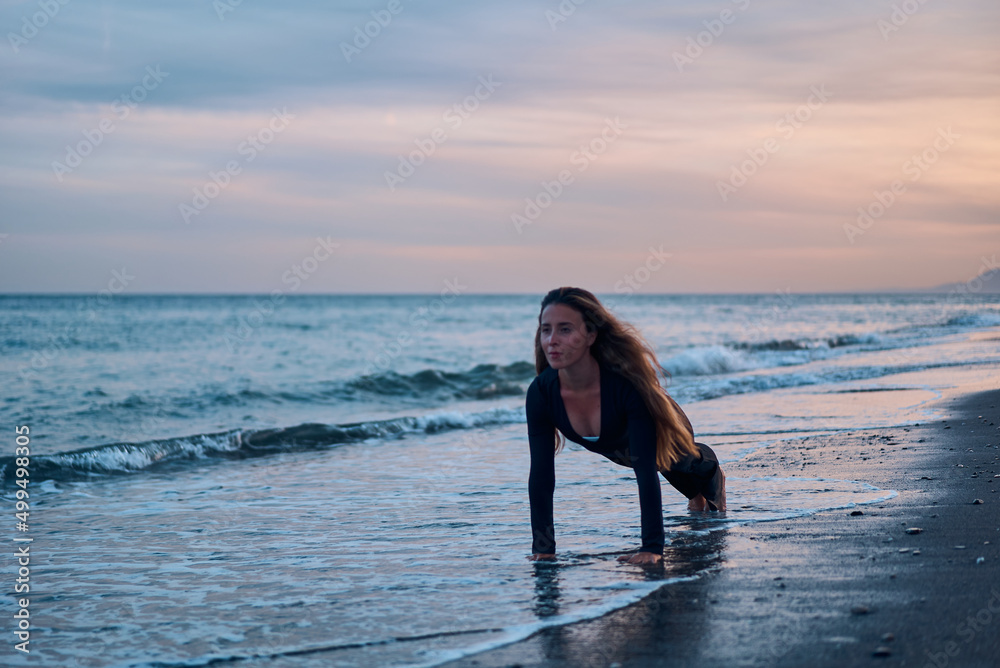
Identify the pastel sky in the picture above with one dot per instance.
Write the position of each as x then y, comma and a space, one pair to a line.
208, 147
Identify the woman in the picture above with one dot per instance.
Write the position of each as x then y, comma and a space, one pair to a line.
598, 385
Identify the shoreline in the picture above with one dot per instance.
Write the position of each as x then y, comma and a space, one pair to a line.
836, 588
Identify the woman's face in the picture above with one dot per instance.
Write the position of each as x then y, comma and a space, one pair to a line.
564, 338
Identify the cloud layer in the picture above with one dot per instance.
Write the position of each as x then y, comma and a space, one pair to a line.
206, 146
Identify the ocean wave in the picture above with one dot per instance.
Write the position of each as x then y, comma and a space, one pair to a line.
123, 458
764, 382
783, 344
963, 321
975, 320
484, 381
854, 340
709, 360
743, 356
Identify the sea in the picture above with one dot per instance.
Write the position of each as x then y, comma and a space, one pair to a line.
341, 480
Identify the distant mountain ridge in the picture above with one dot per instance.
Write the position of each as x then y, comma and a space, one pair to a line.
987, 282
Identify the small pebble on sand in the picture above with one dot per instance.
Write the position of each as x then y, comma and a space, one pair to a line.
859, 610
977, 502
913, 530
882, 651
888, 637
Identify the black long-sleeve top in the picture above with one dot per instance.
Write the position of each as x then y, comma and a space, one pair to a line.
628, 438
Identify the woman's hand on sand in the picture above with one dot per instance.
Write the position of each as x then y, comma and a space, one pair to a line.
541, 557
641, 558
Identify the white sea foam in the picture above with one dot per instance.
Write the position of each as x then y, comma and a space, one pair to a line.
709, 360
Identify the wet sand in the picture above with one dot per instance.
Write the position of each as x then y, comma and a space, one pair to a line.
837, 588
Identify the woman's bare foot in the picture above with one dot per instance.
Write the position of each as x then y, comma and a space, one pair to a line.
720, 502
700, 503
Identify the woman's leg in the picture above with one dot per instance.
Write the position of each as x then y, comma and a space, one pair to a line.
700, 479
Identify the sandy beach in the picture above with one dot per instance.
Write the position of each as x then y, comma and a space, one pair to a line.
912, 581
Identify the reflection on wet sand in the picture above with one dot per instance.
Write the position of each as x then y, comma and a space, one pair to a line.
690, 554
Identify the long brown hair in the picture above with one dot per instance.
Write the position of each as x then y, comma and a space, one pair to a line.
620, 347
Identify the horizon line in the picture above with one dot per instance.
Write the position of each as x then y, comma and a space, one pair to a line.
918, 291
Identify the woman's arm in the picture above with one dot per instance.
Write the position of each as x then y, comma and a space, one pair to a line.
642, 449
542, 477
